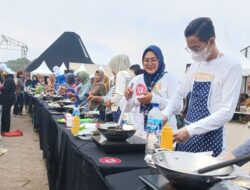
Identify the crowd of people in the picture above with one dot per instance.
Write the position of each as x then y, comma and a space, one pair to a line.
212, 86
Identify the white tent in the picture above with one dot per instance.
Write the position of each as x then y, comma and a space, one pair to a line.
101, 68
226, 46
5, 68
81, 68
43, 69
63, 67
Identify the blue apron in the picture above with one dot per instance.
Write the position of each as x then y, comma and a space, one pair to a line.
197, 109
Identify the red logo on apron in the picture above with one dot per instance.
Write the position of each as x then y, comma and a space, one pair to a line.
110, 160
140, 89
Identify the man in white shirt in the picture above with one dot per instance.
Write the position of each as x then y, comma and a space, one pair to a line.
214, 82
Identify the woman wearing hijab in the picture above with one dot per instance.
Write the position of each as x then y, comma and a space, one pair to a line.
119, 66
154, 86
69, 83
18, 107
7, 99
82, 90
98, 89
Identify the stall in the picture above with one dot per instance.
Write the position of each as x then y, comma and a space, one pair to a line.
75, 164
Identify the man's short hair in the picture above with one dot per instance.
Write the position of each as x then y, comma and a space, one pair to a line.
201, 27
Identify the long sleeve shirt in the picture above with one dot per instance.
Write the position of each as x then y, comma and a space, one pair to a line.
225, 74
163, 90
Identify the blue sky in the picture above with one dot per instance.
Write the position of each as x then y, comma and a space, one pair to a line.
110, 27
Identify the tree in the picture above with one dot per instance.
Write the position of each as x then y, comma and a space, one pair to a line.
19, 64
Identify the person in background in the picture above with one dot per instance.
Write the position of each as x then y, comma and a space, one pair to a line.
18, 106
80, 93
119, 66
35, 81
1, 77
106, 83
28, 81
98, 89
122, 76
136, 69
59, 77
46, 78
69, 83
214, 82
7, 99
51, 83
154, 86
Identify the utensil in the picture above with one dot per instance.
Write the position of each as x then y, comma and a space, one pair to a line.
114, 133
123, 109
178, 168
224, 164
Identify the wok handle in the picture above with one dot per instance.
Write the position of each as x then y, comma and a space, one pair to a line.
224, 164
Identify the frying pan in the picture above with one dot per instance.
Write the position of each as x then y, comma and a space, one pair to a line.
181, 169
115, 133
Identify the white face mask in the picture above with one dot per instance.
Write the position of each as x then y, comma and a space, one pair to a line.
201, 56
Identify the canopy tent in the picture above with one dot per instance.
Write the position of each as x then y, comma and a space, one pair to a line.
5, 68
226, 46
101, 68
81, 68
43, 69
67, 48
63, 67
90, 68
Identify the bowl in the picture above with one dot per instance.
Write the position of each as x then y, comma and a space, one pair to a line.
113, 132
56, 97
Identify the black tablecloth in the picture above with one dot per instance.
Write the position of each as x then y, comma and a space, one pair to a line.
130, 180
73, 164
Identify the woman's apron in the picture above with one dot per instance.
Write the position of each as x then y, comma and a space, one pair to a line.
197, 110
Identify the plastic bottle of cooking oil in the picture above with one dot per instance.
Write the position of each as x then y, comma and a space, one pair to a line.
76, 121
167, 137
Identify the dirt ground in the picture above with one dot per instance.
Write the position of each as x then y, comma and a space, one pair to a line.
23, 168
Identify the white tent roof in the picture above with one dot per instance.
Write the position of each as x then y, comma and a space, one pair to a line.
63, 67
4, 67
226, 46
81, 68
90, 68
101, 68
43, 69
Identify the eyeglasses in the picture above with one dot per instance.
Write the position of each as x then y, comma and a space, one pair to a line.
150, 60
196, 50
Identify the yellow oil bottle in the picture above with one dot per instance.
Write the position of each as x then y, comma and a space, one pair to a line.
167, 137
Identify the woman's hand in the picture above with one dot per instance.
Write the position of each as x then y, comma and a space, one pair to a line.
145, 98
128, 93
90, 97
181, 135
108, 103
71, 95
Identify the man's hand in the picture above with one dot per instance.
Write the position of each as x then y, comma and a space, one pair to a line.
181, 135
146, 98
164, 120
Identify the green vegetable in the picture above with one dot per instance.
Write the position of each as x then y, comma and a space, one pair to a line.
61, 120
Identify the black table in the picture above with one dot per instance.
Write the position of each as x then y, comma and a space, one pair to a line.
74, 164
146, 179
